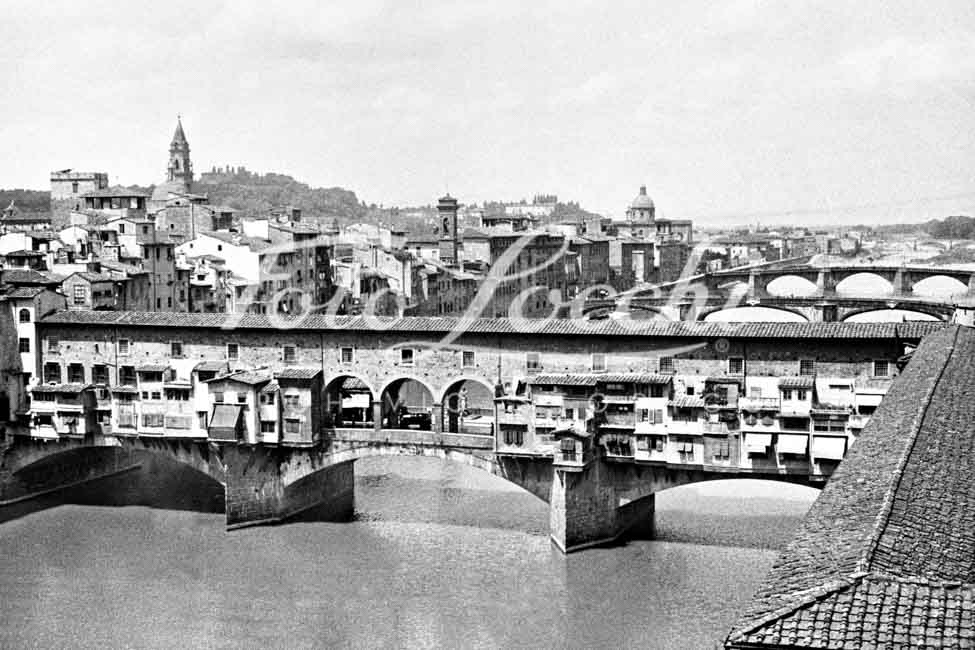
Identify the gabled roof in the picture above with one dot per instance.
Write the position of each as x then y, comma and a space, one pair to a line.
298, 373
801, 381
250, 377
886, 557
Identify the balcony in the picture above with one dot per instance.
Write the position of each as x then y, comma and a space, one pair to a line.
547, 399
759, 403
795, 408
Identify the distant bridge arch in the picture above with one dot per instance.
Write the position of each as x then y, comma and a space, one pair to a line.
788, 286
750, 314
864, 283
939, 286
895, 314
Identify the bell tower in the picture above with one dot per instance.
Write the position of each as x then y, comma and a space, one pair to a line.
180, 168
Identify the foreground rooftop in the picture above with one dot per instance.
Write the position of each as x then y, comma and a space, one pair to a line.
910, 331
886, 556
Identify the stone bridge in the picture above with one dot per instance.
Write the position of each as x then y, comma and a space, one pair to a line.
696, 297
596, 503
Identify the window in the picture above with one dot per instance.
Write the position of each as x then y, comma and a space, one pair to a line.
787, 394
722, 450
123, 346
802, 394
52, 373
667, 365
176, 349
467, 360
76, 373
533, 361
233, 351
514, 436
291, 426
241, 398
807, 367
289, 354
689, 390
121, 228
24, 345
127, 375
268, 426
80, 294
568, 448
406, 356
881, 368
795, 424
201, 418
52, 344
736, 365
218, 397
598, 362
570, 414
152, 419
656, 390
74, 187
24, 315
156, 395
292, 401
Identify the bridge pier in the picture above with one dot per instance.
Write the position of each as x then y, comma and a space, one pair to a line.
587, 508
271, 485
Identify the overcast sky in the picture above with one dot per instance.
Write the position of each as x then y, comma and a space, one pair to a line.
725, 110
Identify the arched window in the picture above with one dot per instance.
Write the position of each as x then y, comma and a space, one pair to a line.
24, 315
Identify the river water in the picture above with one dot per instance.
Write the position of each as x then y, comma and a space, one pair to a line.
440, 555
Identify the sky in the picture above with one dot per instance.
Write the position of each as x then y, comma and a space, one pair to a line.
736, 111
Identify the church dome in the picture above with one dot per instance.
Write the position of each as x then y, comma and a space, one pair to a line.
642, 201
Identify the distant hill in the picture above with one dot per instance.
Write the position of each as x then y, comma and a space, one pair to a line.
27, 201
254, 194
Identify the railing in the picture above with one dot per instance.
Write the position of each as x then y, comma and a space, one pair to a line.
759, 403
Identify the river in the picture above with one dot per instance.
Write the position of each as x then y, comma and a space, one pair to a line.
440, 555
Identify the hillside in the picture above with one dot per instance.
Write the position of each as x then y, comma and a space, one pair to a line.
27, 201
254, 194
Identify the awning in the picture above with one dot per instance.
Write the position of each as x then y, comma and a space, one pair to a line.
357, 401
790, 443
801, 381
830, 447
225, 421
757, 443
869, 399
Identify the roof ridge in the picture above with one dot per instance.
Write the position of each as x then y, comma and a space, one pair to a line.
880, 526
812, 595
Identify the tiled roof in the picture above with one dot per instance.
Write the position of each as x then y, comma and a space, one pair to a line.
251, 377
152, 367
122, 388
211, 366
801, 381
23, 292
298, 373
271, 387
354, 384
688, 402
92, 277
886, 555
565, 379
634, 378
910, 331
58, 388
25, 276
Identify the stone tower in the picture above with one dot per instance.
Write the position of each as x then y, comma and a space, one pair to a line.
180, 168
449, 245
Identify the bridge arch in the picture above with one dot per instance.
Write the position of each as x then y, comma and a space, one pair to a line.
348, 399
939, 286
757, 313
181, 475
791, 286
407, 401
467, 406
865, 283
892, 314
